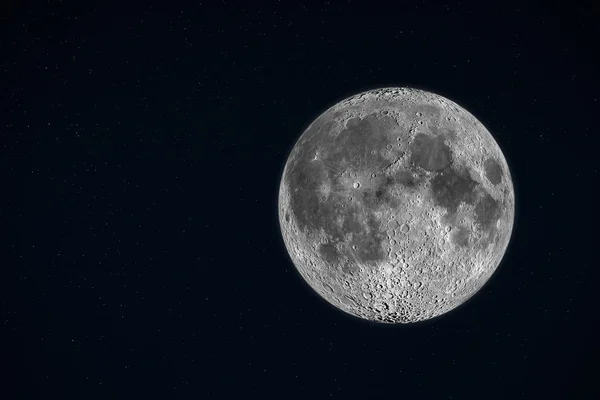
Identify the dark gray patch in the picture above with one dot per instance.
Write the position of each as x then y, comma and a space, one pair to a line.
356, 148
355, 142
430, 153
350, 224
448, 134
369, 242
487, 212
376, 190
406, 178
370, 250
374, 198
389, 199
493, 171
304, 180
450, 188
460, 237
328, 252
287, 216
359, 144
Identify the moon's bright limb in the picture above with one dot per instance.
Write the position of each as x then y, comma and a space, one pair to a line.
396, 205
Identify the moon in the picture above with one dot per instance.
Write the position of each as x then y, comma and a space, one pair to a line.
396, 205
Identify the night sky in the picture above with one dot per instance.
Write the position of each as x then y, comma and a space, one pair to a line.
141, 150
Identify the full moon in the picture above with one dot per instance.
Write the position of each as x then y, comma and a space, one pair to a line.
396, 205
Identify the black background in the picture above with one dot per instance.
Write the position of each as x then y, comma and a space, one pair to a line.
141, 148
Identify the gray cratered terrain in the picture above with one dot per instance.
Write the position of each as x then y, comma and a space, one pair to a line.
396, 205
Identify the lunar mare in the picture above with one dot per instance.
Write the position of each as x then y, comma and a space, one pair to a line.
396, 205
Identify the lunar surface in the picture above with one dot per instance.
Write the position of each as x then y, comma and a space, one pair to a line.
396, 205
